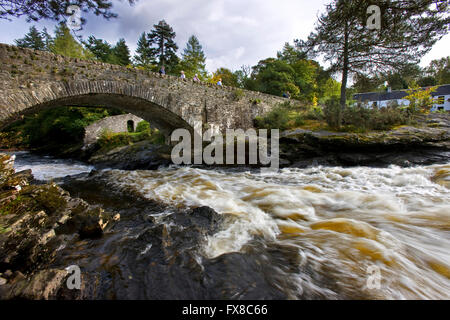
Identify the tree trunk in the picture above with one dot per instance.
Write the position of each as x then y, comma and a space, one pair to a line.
162, 60
343, 100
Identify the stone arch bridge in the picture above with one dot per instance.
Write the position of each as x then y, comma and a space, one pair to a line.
32, 80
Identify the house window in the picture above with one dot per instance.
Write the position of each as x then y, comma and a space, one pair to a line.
374, 104
440, 100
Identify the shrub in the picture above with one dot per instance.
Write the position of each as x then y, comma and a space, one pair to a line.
361, 118
332, 112
386, 118
143, 126
109, 140
298, 120
157, 137
278, 118
420, 100
314, 113
57, 127
237, 94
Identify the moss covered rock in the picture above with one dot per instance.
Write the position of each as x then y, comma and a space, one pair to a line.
36, 220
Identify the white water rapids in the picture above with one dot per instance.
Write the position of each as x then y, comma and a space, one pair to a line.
344, 221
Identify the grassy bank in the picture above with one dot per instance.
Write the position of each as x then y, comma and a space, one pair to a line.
109, 140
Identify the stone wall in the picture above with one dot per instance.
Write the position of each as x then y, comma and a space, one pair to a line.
33, 80
113, 124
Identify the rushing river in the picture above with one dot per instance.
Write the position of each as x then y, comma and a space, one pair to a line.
46, 168
348, 227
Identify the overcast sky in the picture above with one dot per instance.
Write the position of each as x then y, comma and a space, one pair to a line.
232, 32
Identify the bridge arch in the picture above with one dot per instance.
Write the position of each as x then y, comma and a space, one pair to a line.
103, 94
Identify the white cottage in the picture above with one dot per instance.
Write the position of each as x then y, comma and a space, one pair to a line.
382, 99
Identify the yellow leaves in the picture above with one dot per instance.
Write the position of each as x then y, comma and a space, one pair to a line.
420, 99
315, 101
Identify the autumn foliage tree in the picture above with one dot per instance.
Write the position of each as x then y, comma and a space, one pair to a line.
420, 99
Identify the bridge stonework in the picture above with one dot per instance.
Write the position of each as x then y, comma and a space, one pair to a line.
32, 80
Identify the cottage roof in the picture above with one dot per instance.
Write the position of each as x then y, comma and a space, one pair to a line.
398, 94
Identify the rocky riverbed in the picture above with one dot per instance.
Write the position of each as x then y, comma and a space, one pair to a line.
128, 247
36, 220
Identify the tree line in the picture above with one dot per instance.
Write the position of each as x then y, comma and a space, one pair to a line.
290, 71
154, 49
371, 58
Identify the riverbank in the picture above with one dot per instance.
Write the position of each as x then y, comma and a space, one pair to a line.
424, 144
35, 222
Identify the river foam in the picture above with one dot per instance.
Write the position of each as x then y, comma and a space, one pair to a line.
47, 168
343, 220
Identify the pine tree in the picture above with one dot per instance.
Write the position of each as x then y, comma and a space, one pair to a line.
193, 61
47, 38
33, 40
143, 56
409, 28
291, 54
120, 54
100, 48
164, 48
65, 44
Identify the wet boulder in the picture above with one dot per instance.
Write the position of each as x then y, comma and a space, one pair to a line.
35, 221
139, 156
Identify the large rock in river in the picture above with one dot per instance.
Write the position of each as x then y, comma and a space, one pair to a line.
141, 155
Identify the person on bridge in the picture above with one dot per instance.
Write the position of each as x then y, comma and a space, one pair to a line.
196, 79
286, 95
183, 76
219, 83
162, 71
